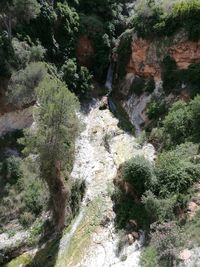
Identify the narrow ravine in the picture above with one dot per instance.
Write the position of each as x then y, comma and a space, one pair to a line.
100, 149
91, 239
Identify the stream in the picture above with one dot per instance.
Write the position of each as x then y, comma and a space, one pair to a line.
100, 149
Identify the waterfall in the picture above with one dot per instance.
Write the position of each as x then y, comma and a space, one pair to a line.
109, 79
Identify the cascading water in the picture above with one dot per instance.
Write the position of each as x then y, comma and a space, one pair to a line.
109, 79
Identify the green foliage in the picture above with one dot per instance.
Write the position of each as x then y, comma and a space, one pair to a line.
66, 27
178, 122
149, 257
26, 218
10, 170
175, 174
56, 119
126, 209
23, 195
76, 196
6, 55
69, 74
24, 53
85, 82
153, 19
168, 240
26, 10
78, 79
23, 84
139, 173
156, 109
194, 106
159, 209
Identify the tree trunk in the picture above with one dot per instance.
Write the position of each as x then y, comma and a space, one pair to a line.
58, 197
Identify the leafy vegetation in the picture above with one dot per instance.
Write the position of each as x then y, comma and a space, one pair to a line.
157, 19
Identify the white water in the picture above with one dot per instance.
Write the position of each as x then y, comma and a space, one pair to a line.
109, 78
97, 165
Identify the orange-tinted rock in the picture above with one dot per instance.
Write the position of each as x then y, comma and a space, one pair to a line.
147, 55
185, 53
85, 51
140, 62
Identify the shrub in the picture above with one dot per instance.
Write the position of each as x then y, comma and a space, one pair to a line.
26, 218
69, 74
139, 173
10, 170
76, 196
178, 122
85, 82
24, 53
156, 109
151, 18
159, 209
33, 198
126, 210
149, 85
167, 239
7, 56
175, 174
149, 257
23, 84
195, 114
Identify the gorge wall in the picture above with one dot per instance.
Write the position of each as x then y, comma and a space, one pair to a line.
146, 62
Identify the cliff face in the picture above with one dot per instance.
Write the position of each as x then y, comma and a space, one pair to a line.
147, 55
146, 62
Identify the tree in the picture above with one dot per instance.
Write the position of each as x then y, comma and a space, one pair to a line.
138, 171
18, 10
57, 126
178, 122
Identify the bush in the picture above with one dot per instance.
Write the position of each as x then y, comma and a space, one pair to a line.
167, 239
195, 115
69, 74
21, 88
178, 122
76, 196
138, 171
175, 174
156, 109
10, 170
26, 218
151, 18
33, 199
24, 53
159, 209
149, 257
126, 210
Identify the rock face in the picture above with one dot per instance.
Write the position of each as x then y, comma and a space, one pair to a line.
147, 55
146, 62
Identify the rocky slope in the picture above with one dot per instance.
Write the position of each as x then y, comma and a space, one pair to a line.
92, 239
